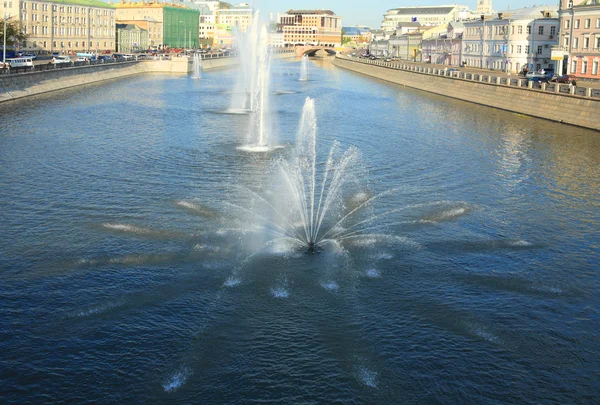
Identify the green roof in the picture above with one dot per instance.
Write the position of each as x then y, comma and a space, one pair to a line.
87, 3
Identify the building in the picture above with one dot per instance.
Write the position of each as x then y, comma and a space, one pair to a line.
207, 10
238, 17
314, 27
484, 7
512, 40
436, 46
579, 51
425, 15
172, 26
359, 34
63, 25
131, 38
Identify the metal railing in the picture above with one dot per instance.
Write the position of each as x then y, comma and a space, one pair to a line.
455, 73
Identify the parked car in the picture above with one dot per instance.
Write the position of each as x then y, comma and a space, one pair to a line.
569, 79
105, 58
57, 60
29, 55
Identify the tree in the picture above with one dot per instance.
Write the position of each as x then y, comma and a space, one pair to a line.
14, 32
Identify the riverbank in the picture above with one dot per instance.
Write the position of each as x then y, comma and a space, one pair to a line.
515, 95
14, 87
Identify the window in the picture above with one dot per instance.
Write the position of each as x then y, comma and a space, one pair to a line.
588, 22
529, 29
541, 30
575, 42
597, 22
526, 48
553, 30
595, 67
519, 48
567, 24
566, 41
598, 42
540, 49
584, 66
520, 29
586, 42
574, 66
577, 24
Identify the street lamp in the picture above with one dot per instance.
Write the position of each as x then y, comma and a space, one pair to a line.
4, 45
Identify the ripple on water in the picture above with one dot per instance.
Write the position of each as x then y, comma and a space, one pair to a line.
373, 273
280, 292
330, 285
177, 379
232, 282
367, 377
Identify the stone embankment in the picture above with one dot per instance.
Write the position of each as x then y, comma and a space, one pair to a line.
562, 103
17, 86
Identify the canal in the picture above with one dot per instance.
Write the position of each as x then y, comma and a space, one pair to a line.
139, 263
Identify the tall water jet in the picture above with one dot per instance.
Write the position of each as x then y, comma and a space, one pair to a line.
304, 69
242, 100
197, 67
260, 135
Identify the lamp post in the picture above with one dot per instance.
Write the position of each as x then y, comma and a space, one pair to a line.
4, 45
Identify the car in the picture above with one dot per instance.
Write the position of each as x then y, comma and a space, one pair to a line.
29, 55
61, 59
569, 79
105, 58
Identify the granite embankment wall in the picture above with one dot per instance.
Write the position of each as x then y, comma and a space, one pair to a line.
17, 86
569, 109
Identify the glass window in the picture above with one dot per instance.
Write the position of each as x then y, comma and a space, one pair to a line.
588, 22
584, 66
541, 30
577, 24
595, 67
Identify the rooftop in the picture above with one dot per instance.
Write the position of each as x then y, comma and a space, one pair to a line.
315, 12
88, 3
421, 10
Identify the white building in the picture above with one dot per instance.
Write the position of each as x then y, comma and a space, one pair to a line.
512, 40
425, 15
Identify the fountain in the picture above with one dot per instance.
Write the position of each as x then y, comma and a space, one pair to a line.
260, 135
304, 69
197, 67
310, 204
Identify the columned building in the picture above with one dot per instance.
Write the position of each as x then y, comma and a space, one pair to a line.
131, 38
314, 27
579, 52
64, 25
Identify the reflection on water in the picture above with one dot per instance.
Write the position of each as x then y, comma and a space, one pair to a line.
126, 273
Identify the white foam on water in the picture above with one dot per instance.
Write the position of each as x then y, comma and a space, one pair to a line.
232, 282
373, 273
99, 308
548, 289
187, 204
280, 292
382, 256
259, 148
520, 243
359, 198
330, 285
177, 379
368, 377
485, 334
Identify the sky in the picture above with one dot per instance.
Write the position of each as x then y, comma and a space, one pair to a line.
370, 13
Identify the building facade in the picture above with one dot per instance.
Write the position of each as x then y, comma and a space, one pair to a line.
131, 38
425, 15
359, 35
579, 51
314, 27
512, 40
64, 26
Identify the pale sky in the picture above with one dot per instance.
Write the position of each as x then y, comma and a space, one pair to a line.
370, 13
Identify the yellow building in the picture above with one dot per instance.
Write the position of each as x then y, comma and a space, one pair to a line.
63, 25
314, 27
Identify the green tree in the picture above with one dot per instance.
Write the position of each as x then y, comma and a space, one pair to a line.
14, 32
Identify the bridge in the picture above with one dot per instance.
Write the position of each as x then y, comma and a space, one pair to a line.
311, 50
